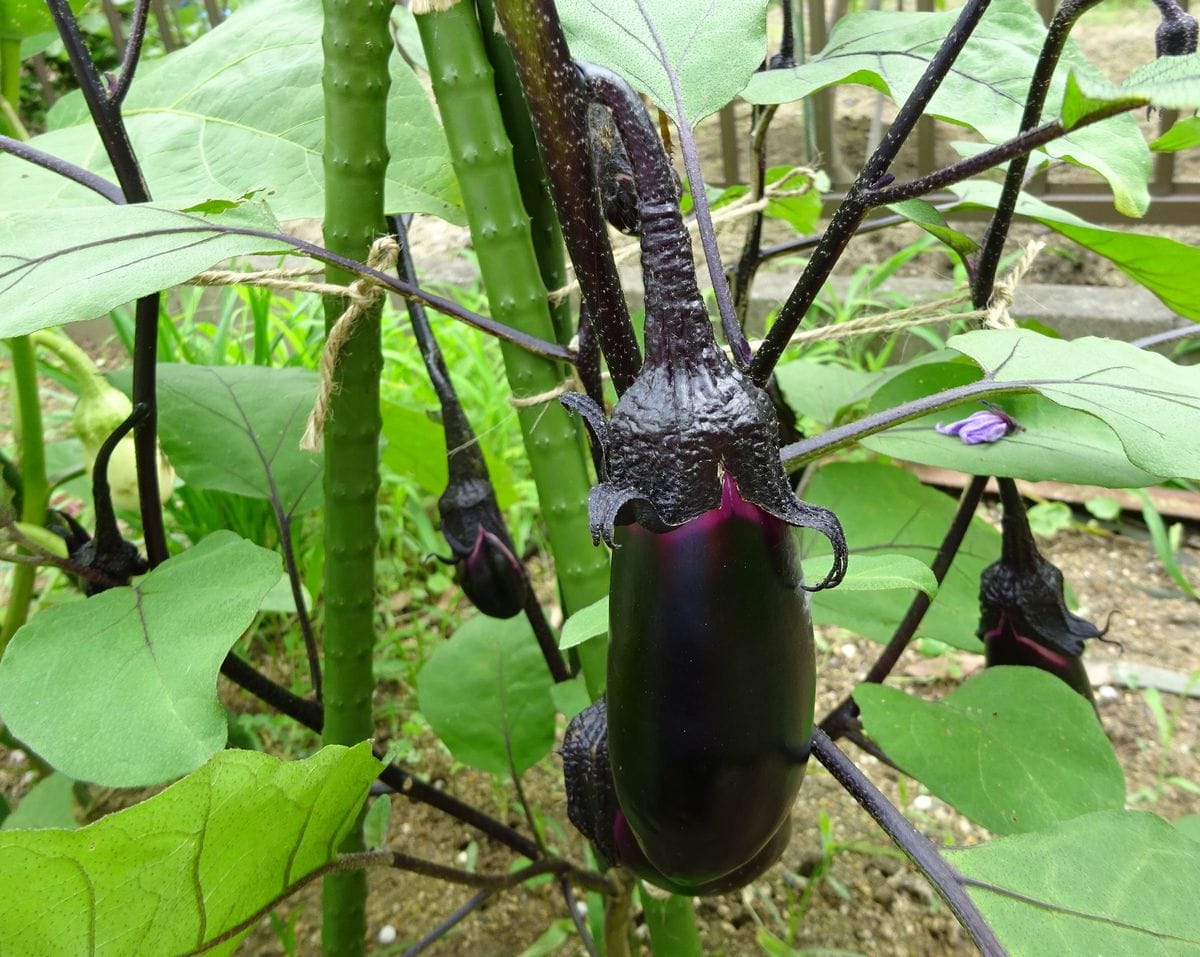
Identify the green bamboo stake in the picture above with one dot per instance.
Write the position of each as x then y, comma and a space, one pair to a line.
355, 82
531, 174
36, 488
26, 398
482, 158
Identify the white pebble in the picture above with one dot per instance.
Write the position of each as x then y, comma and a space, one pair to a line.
462, 857
387, 935
1108, 692
848, 651
922, 802
17, 757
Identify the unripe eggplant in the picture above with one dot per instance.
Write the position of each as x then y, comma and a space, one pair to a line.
688, 773
1024, 618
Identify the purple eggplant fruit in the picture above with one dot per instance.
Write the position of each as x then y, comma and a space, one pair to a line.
482, 553
1024, 618
687, 773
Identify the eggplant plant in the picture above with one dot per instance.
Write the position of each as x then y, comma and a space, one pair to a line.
685, 672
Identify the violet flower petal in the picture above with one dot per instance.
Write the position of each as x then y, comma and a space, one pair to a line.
980, 427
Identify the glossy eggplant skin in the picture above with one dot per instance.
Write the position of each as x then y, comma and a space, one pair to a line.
711, 685
1004, 646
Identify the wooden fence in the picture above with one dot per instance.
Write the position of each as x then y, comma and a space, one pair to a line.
1174, 201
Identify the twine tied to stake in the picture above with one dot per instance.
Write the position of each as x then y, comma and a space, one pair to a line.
996, 316
363, 294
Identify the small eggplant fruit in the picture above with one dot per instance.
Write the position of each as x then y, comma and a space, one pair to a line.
1024, 618
486, 568
1176, 35
482, 553
687, 773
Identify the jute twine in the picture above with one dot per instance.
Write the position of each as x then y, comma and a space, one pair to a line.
364, 293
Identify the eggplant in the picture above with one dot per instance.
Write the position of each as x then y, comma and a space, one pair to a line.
1024, 618
687, 772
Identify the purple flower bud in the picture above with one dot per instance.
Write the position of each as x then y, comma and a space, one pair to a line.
980, 427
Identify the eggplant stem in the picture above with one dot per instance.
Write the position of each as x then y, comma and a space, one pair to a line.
947, 881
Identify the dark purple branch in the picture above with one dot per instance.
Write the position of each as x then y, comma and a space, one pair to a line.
106, 114
536, 616
133, 52
1018, 146
1039, 86
870, 226
838, 720
77, 174
557, 107
916, 846
852, 210
734, 335
283, 522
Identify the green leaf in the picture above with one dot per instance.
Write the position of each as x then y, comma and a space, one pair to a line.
876, 572
1113, 882
65, 265
1055, 443
183, 868
1149, 401
375, 822
1104, 508
672, 925
802, 212
1168, 268
1189, 825
885, 509
238, 429
820, 390
570, 697
49, 803
251, 88
929, 218
589, 622
1167, 82
1182, 136
713, 49
416, 446
27, 18
985, 91
120, 689
1017, 749
486, 692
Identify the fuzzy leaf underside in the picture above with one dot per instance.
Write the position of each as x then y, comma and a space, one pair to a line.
66, 265
712, 46
985, 90
248, 88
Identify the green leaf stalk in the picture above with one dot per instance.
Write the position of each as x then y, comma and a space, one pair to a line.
482, 157
355, 80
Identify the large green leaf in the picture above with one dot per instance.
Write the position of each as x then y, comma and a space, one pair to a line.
120, 688
20, 19
1112, 882
238, 429
1148, 401
885, 510
985, 90
1017, 749
1168, 268
191, 864
671, 922
238, 110
486, 692
822, 389
1167, 82
712, 48
1054, 443
65, 265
